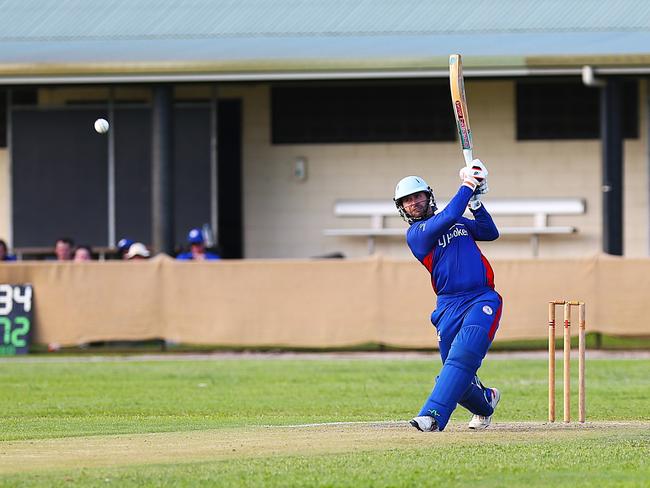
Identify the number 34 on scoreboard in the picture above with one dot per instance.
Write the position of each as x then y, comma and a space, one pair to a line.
15, 319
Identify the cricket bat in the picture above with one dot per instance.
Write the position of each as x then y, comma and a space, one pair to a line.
459, 104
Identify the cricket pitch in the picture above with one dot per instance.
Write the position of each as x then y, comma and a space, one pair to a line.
265, 441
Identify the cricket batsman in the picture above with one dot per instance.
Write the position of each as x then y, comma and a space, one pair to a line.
468, 308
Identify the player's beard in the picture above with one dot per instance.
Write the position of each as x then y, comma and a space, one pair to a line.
420, 210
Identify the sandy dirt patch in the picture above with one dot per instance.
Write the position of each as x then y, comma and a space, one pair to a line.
250, 442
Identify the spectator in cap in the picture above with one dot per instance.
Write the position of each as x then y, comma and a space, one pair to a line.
4, 252
136, 251
197, 250
82, 253
123, 246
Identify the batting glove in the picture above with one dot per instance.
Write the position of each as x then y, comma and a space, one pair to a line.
483, 186
478, 164
475, 202
471, 177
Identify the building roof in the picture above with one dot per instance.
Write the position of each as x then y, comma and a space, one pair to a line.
144, 40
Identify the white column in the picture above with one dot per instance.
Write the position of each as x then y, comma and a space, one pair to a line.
111, 168
214, 163
647, 146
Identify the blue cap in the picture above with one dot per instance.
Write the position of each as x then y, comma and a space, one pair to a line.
124, 244
195, 236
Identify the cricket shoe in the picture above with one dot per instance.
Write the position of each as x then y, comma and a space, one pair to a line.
479, 422
425, 423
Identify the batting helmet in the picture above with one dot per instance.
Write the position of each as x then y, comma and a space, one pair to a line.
409, 186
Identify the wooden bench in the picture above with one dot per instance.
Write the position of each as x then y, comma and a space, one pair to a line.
540, 209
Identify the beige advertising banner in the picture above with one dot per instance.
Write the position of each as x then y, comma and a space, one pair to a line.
310, 303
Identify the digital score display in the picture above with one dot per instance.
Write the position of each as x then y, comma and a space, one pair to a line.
15, 319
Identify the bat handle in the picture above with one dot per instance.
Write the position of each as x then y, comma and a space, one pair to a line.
469, 157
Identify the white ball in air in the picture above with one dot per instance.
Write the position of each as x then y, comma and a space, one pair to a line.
101, 126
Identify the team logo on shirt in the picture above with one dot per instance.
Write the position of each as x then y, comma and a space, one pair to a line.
487, 310
455, 231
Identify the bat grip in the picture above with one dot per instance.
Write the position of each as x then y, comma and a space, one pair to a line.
469, 157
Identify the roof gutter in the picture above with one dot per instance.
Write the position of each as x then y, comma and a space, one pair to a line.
316, 75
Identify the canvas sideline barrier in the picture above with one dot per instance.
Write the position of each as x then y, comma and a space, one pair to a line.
310, 303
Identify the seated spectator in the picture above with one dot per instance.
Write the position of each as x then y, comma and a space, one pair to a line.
82, 253
4, 252
123, 246
197, 250
63, 249
136, 251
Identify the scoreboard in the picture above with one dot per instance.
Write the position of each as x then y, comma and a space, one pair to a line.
15, 319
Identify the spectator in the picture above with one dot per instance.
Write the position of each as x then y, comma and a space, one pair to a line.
123, 246
83, 253
4, 252
137, 251
197, 250
63, 249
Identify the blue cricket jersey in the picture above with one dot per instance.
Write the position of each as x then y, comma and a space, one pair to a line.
445, 245
187, 256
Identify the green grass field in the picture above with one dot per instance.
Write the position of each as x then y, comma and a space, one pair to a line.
242, 422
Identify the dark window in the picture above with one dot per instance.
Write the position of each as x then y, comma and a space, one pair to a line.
59, 177
132, 134
60, 184
192, 166
569, 110
3, 118
24, 96
362, 113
